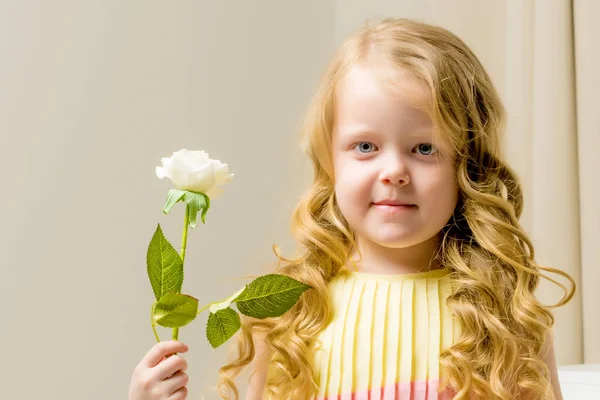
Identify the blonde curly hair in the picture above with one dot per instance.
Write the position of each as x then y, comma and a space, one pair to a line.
492, 261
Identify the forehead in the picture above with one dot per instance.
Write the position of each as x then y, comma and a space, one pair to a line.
379, 97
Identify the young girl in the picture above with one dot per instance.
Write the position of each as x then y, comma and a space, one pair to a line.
423, 280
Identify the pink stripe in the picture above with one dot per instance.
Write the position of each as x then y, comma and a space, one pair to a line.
422, 390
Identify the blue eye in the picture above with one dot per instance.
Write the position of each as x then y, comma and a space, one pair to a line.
365, 147
426, 149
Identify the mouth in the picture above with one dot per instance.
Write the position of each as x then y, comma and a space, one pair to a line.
393, 208
407, 206
391, 203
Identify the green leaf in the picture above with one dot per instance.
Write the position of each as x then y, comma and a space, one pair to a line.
270, 295
173, 197
221, 326
164, 266
206, 207
196, 202
175, 310
224, 304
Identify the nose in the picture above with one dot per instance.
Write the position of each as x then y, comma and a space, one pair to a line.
394, 171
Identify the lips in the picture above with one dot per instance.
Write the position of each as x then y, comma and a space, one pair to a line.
393, 203
393, 207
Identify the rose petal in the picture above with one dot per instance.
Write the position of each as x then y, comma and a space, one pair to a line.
228, 178
222, 174
195, 171
214, 193
165, 163
179, 173
196, 159
199, 155
179, 154
201, 179
185, 157
160, 172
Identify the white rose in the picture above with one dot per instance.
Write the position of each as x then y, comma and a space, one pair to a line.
195, 171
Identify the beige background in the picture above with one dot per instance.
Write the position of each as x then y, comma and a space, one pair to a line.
94, 93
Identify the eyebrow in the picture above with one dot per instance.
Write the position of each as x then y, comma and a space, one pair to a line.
350, 131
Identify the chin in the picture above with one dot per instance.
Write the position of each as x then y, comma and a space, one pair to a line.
396, 241
397, 244
397, 238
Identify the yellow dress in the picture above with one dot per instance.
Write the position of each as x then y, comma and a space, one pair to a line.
386, 336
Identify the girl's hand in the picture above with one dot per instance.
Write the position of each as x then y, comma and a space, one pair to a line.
161, 373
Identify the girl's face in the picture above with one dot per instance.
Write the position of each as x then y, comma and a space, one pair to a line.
393, 186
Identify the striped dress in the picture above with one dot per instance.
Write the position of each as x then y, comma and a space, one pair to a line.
386, 336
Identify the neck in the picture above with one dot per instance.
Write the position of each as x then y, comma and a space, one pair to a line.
385, 260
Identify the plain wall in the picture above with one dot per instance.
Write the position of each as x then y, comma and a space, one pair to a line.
93, 94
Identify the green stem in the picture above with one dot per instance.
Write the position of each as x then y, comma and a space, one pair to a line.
185, 233
154, 323
205, 307
208, 305
182, 254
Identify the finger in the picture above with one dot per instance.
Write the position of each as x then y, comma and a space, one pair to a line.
170, 366
180, 394
176, 382
162, 350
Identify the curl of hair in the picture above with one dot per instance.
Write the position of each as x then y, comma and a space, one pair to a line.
322, 230
492, 261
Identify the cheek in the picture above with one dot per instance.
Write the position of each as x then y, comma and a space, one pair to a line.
447, 200
345, 195
442, 190
352, 177
353, 195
